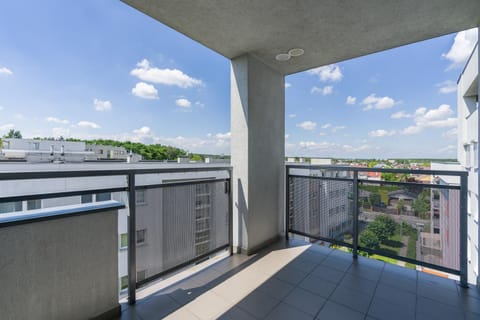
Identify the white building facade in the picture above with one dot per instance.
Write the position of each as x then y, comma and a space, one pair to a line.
468, 89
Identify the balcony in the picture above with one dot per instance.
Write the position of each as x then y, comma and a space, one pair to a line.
297, 280
422, 275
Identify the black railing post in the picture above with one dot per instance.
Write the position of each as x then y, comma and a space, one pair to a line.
355, 214
287, 202
132, 245
463, 229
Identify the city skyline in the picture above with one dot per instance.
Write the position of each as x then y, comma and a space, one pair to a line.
103, 70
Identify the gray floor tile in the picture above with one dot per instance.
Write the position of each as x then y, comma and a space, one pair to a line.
276, 288
438, 293
156, 307
359, 284
431, 308
129, 314
382, 309
370, 263
258, 304
353, 299
396, 296
291, 275
396, 280
314, 256
318, 286
236, 314
304, 265
333, 311
327, 273
436, 282
472, 316
285, 312
336, 263
404, 273
305, 300
471, 305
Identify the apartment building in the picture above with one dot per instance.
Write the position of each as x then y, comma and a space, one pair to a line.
320, 207
468, 89
161, 210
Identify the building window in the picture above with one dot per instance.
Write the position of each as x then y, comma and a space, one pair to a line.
123, 282
141, 275
36, 146
87, 198
10, 207
140, 197
103, 196
34, 204
123, 240
141, 236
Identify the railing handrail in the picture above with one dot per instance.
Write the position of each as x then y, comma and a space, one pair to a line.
386, 170
101, 172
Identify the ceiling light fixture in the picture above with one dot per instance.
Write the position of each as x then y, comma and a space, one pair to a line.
296, 52
282, 57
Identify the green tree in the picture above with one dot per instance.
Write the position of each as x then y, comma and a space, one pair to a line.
421, 206
15, 134
375, 199
383, 227
390, 176
369, 239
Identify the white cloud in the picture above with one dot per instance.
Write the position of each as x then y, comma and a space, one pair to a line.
287, 85
447, 86
307, 125
171, 77
142, 131
452, 133
56, 120
287, 136
400, 115
335, 129
381, 133
322, 134
324, 91
198, 103
433, 118
327, 73
326, 126
225, 135
292, 115
351, 100
88, 124
461, 48
102, 105
7, 127
19, 116
1, 108
5, 71
184, 103
374, 102
145, 91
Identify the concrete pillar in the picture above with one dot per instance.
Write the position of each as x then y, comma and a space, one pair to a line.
258, 152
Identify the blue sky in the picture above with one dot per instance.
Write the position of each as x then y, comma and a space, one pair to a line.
101, 69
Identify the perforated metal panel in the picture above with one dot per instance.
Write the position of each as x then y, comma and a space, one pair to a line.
181, 223
321, 208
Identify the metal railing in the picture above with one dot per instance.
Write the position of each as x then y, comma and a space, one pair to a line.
410, 223
184, 198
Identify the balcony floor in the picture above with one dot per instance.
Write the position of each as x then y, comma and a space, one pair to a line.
295, 280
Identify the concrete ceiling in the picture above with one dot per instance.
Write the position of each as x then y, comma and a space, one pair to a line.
328, 30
